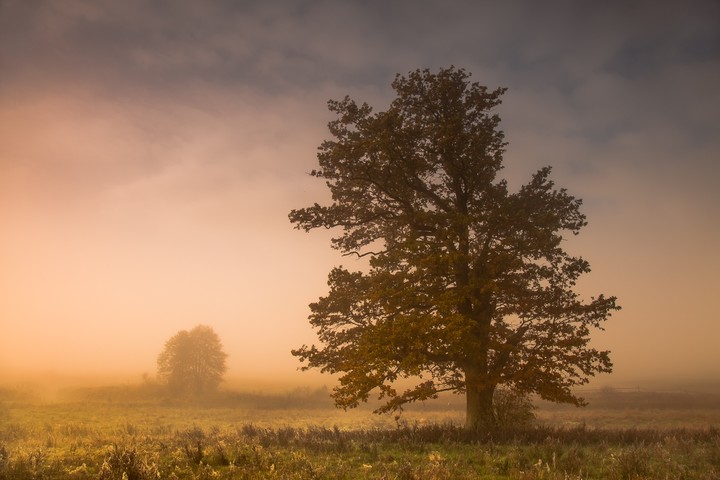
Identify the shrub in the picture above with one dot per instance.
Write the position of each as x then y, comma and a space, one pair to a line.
513, 408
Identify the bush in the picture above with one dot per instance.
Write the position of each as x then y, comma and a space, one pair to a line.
513, 408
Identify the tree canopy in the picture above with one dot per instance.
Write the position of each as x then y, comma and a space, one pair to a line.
468, 285
192, 362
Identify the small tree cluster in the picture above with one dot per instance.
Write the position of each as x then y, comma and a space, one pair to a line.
192, 362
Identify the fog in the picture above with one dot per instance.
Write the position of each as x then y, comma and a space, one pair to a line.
149, 159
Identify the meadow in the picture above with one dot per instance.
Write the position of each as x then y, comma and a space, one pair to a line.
136, 432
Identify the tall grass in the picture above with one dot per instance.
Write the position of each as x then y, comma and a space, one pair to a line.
105, 438
408, 451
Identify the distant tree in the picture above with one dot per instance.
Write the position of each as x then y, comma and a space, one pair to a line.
192, 362
468, 286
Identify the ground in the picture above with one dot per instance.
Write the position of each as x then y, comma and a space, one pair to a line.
125, 432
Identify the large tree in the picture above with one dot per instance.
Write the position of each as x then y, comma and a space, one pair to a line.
192, 362
468, 286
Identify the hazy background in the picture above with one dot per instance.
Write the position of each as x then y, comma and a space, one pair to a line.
150, 153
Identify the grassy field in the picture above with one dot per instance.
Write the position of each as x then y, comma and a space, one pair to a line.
128, 432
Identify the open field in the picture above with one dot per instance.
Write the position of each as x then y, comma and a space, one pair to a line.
128, 432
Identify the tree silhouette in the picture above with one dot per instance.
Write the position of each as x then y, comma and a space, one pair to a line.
468, 286
192, 362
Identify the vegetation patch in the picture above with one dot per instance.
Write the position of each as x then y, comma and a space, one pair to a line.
151, 440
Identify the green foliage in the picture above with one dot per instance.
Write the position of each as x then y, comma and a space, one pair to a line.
467, 285
192, 362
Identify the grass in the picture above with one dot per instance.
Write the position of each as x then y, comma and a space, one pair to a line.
120, 433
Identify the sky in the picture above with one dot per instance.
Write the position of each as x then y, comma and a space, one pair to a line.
150, 152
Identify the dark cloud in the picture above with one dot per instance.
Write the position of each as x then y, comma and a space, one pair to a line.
597, 72
274, 46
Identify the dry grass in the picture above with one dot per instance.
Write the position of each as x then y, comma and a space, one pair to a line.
128, 433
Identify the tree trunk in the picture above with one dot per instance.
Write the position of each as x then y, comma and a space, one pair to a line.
479, 400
